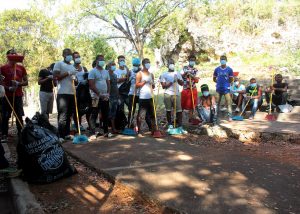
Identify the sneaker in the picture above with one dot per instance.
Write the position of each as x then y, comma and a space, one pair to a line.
61, 140
93, 137
223, 109
229, 119
108, 135
237, 110
182, 130
69, 137
170, 127
251, 118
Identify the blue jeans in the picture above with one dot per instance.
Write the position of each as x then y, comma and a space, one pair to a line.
254, 104
207, 115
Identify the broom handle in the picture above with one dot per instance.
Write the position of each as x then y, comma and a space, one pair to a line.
248, 102
192, 93
271, 96
14, 113
156, 101
76, 108
131, 119
154, 108
14, 94
175, 94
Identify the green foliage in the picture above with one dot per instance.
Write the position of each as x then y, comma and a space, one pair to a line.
89, 46
31, 32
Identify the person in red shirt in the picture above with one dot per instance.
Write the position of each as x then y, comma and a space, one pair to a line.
13, 82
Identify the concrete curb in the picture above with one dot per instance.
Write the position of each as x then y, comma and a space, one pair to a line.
114, 180
24, 201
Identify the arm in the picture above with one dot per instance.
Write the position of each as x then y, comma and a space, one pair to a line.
24, 81
42, 80
92, 86
282, 89
138, 83
215, 75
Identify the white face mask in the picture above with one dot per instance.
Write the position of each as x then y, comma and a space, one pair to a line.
205, 93
147, 66
236, 83
172, 67
77, 60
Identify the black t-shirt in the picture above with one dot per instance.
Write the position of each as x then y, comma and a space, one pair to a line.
46, 86
279, 85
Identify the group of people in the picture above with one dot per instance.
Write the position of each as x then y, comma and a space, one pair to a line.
103, 93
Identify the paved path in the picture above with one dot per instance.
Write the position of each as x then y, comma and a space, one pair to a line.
196, 178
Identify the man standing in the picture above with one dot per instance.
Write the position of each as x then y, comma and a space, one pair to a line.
46, 91
15, 77
123, 75
170, 81
65, 73
99, 82
223, 76
189, 93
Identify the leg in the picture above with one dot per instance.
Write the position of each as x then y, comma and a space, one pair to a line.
229, 104
50, 104
113, 104
6, 113
43, 102
104, 106
20, 113
284, 98
254, 106
240, 100
168, 106
71, 113
93, 116
218, 101
62, 115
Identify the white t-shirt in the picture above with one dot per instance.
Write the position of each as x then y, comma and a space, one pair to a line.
80, 74
132, 79
120, 74
100, 78
64, 86
234, 89
168, 77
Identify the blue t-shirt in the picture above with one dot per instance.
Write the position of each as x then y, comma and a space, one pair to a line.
223, 79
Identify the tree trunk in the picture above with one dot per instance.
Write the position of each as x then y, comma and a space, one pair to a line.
140, 49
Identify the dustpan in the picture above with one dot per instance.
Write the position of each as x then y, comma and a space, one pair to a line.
157, 134
174, 131
128, 131
238, 118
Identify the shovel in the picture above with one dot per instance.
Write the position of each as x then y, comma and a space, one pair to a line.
270, 116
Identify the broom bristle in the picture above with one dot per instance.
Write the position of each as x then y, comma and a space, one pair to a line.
80, 139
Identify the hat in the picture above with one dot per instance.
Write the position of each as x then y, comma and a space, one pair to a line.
136, 61
204, 87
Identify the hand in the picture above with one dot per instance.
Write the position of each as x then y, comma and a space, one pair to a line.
50, 76
73, 77
15, 83
175, 78
74, 72
12, 88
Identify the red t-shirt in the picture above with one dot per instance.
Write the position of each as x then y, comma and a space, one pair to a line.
8, 72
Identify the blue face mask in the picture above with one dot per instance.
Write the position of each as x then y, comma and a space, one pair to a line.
68, 58
122, 63
253, 85
147, 66
135, 69
192, 63
101, 63
205, 93
113, 68
223, 62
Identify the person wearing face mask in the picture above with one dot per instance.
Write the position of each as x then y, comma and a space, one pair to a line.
81, 70
207, 106
13, 81
99, 82
145, 83
189, 73
223, 76
123, 74
65, 73
254, 93
113, 96
238, 91
170, 81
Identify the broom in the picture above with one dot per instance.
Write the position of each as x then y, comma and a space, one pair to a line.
78, 138
174, 130
156, 133
193, 121
240, 117
270, 116
129, 131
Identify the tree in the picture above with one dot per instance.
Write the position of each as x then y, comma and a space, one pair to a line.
31, 32
134, 19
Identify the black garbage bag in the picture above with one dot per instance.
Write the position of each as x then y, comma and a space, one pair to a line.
40, 155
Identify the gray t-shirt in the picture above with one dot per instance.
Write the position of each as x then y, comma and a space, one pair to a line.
114, 91
64, 86
100, 78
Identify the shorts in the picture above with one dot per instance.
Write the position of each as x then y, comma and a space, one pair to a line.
146, 106
169, 101
186, 99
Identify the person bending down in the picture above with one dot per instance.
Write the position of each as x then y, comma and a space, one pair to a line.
207, 106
